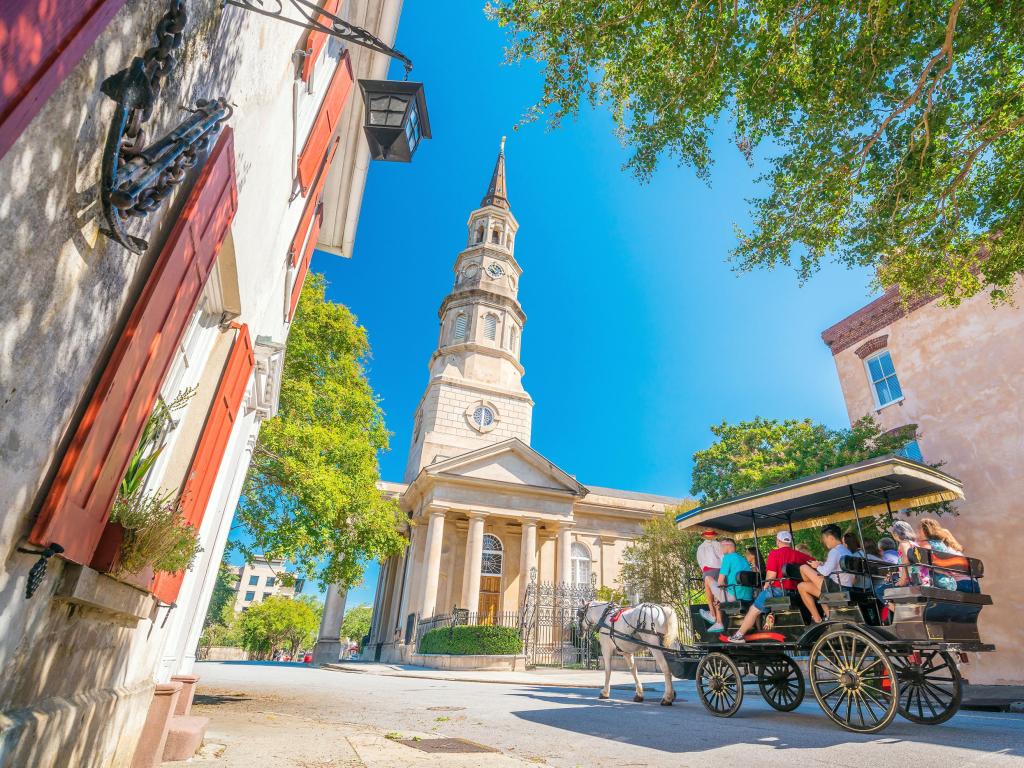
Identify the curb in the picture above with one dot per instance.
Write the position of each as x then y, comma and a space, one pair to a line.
535, 683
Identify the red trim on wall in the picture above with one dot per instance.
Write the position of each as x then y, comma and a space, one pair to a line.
319, 139
78, 503
41, 41
315, 42
213, 443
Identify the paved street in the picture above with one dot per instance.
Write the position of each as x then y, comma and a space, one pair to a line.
289, 715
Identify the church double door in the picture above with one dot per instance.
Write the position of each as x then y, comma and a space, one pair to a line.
490, 598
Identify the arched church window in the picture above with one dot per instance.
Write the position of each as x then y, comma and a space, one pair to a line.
480, 234
496, 236
580, 563
460, 327
483, 416
493, 554
490, 327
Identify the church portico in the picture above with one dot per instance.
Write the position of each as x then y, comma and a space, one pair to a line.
485, 510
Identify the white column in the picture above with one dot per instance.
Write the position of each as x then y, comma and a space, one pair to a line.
411, 586
565, 554
328, 642
471, 570
528, 557
432, 562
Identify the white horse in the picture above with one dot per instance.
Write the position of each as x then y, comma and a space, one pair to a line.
647, 622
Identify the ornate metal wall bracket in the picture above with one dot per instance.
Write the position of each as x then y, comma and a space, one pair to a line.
37, 572
136, 178
310, 15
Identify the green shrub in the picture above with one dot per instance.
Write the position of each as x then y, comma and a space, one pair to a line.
467, 641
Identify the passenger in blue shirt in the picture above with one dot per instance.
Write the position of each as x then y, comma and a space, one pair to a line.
733, 564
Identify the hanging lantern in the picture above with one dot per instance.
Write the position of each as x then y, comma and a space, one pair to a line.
396, 118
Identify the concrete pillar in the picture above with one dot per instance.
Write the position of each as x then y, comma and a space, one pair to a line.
328, 642
432, 562
565, 554
412, 587
527, 557
471, 571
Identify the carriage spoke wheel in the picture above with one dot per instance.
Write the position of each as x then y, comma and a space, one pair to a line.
930, 692
854, 681
720, 685
781, 683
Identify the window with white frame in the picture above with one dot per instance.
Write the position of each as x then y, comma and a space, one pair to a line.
459, 333
580, 561
493, 554
490, 327
883, 378
912, 451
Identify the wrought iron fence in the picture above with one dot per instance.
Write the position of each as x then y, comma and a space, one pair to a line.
550, 632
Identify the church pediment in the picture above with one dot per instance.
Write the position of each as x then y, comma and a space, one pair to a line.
508, 462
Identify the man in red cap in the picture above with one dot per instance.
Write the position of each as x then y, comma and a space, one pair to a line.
709, 560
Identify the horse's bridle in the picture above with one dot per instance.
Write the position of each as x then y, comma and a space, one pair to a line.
584, 623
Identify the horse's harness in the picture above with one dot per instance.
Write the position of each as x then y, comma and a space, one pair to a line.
613, 613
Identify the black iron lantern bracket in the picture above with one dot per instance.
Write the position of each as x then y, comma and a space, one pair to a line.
136, 178
310, 18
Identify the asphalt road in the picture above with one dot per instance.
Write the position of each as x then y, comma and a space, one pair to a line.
571, 727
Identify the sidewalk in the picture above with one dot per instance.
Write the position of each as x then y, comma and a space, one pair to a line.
543, 676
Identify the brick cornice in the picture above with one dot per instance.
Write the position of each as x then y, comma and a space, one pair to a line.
883, 311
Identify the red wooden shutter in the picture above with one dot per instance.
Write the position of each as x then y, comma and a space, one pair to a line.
213, 442
41, 41
78, 503
320, 135
316, 41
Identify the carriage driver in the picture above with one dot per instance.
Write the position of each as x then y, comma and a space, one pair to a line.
774, 586
709, 560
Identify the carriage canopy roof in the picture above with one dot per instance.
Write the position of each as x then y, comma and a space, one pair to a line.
874, 485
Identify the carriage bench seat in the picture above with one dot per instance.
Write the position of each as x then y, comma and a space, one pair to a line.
933, 614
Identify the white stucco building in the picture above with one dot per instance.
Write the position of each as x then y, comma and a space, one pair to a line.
485, 508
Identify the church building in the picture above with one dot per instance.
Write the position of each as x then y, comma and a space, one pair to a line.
486, 510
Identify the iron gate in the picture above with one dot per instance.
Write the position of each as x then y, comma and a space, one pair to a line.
551, 636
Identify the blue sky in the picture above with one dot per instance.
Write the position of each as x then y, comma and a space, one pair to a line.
639, 335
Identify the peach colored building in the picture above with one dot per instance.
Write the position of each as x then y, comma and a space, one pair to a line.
959, 375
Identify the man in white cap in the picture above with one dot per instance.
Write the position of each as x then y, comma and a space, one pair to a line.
775, 582
709, 560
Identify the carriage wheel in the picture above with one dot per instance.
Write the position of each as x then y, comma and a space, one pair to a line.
781, 683
853, 680
720, 685
930, 692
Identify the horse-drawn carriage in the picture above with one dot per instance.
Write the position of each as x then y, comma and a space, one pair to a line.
867, 661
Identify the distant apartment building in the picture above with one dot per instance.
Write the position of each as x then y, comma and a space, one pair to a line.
261, 579
958, 373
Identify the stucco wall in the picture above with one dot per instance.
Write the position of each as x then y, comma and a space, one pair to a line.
962, 375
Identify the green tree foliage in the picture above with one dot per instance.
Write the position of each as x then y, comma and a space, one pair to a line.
310, 495
356, 624
659, 565
280, 624
223, 595
225, 630
894, 130
756, 454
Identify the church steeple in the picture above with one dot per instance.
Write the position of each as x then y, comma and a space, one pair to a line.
496, 194
475, 395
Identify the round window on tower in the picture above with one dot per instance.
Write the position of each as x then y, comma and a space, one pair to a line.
482, 416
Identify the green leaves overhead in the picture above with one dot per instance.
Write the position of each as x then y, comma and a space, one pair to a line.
310, 495
894, 131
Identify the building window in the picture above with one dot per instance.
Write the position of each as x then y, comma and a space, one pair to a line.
483, 416
883, 379
580, 563
460, 327
300, 584
490, 562
496, 237
480, 234
250, 596
254, 580
911, 451
490, 327
271, 581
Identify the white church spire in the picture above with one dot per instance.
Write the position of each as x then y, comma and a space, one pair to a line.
475, 395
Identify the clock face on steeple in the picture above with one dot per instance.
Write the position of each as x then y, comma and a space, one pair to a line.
495, 271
